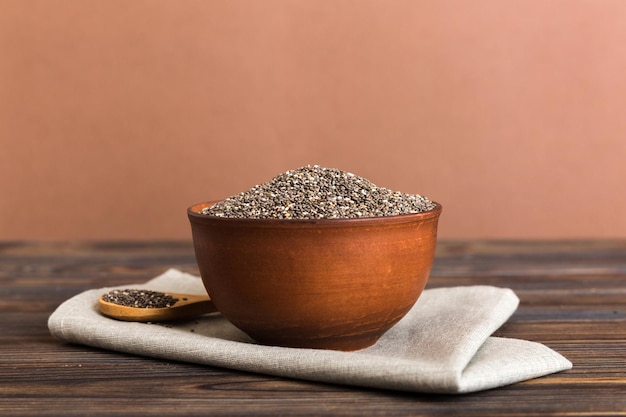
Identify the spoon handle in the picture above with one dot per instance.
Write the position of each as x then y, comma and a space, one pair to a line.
187, 306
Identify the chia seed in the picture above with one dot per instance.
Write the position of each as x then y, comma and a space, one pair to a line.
140, 298
314, 192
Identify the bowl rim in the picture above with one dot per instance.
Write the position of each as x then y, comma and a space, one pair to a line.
194, 215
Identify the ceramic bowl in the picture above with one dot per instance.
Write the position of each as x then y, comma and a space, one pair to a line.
329, 284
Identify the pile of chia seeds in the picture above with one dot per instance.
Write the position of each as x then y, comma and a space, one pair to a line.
314, 192
140, 298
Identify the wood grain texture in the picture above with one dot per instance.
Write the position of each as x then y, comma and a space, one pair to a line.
573, 299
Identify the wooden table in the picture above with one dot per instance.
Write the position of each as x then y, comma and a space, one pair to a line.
573, 299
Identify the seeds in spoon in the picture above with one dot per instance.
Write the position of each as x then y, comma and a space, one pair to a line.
140, 298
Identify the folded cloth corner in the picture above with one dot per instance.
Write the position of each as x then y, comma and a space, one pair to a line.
443, 345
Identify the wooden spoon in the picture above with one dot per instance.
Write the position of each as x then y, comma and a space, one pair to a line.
187, 306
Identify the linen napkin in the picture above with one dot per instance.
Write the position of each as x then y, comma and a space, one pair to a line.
443, 345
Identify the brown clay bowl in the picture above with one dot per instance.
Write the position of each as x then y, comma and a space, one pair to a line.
329, 284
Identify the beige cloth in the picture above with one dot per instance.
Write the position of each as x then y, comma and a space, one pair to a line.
443, 345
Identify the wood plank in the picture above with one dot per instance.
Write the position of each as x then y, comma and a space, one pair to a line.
573, 298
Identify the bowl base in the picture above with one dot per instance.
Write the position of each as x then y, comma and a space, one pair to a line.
343, 343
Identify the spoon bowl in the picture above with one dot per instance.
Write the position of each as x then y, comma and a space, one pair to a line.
187, 306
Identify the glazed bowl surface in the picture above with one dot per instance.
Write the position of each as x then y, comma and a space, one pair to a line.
328, 284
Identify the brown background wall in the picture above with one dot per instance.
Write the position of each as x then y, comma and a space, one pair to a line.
115, 115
